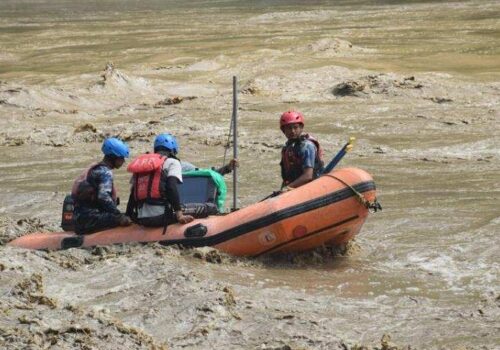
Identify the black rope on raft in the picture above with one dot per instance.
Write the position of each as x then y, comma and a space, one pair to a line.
371, 206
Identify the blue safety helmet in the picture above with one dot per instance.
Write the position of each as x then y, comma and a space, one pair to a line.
115, 147
167, 141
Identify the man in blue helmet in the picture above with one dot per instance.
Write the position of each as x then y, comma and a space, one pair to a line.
94, 193
154, 199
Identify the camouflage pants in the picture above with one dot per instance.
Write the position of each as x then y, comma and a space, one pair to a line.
90, 220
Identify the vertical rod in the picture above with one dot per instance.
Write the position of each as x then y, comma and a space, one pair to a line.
235, 140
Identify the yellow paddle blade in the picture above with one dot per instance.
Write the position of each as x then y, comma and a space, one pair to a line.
350, 144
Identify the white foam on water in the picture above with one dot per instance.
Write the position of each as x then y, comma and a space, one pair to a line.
294, 16
204, 66
485, 147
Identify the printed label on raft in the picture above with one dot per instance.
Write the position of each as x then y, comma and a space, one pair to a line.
267, 238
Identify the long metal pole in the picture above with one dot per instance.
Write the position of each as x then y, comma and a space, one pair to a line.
235, 140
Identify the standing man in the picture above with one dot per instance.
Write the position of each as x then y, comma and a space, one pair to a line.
302, 156
94, 193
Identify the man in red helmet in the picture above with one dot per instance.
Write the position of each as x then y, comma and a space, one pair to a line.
302, 156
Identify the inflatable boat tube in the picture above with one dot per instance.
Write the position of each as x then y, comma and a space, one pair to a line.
328, 211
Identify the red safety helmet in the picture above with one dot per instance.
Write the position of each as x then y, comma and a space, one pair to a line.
291, 117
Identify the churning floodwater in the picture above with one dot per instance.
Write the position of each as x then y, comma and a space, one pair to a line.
416, 82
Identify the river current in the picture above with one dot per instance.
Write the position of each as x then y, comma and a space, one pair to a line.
416, 82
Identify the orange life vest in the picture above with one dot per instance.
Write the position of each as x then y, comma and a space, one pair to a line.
291, 162
146, 170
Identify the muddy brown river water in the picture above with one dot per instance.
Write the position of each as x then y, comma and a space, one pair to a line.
416, 82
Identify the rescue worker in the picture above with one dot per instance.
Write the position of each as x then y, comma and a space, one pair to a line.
94, 193
154, 200
302, 156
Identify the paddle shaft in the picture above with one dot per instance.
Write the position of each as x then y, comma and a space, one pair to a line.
333, 163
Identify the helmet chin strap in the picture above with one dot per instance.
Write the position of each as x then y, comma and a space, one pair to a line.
110, 161
164, 151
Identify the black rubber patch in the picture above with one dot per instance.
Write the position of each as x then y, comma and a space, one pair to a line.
72, 242
198, 230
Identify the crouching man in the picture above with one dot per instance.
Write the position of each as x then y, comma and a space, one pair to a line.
154, 199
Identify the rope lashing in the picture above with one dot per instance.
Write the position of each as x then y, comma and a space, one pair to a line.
371, 206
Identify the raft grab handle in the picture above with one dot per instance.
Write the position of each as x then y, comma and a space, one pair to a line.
198, 230
72, 242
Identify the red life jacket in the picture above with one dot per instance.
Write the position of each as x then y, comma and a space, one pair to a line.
84, 190
291, 161
146, 170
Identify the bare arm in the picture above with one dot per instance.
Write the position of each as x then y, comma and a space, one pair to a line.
306, 177
226, 169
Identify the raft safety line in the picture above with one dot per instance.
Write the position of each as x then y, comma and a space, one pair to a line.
371, 206
272, 218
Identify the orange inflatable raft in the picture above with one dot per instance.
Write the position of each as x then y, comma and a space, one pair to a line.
329, 210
